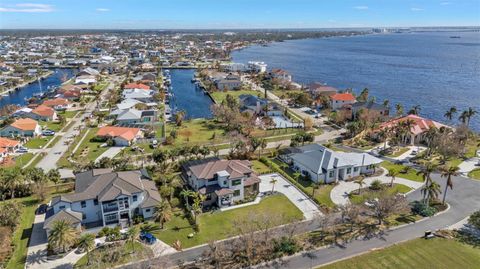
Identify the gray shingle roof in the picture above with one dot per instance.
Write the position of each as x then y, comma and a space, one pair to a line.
66, 214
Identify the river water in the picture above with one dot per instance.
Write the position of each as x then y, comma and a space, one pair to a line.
429, 68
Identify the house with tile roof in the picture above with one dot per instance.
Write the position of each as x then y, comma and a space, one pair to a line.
323, 165
137, 86
23, 127
340, 100
44, 113
418, 127
7, 146
58, 103
104, 197
281, 74
123, 136
223, 182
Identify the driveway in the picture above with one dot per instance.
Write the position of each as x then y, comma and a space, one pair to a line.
300, 200
109, 153
339, 193
469, 165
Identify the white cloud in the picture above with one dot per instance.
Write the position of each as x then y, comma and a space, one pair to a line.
103, 9
416, 9
361, 7
27, 8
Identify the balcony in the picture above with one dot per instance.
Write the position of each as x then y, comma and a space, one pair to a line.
107, 209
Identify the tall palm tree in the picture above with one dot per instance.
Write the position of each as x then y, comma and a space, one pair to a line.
86, 242
415, 110
399, 109
449, 172
464, 117
450, 113
273, 182
431, 191
360, 183
62, 235
186, 194
12, 179
470, 113
132, 234
163, 212
392, 173
426, 172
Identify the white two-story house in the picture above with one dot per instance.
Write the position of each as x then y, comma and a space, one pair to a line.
323, 165
224, 182
103, 197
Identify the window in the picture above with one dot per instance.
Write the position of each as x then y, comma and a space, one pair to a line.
83, 203
61, 207
331, 173
224, 182
349, 170
95, 202
147, 210
236, 182
84, 216
355, 169
236, 193
134, 198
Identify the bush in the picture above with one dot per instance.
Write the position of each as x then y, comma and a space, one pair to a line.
284, 246
475, 219
175, 202
376, 185
422, 209
138, 219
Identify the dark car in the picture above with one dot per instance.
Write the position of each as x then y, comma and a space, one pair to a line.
42, 209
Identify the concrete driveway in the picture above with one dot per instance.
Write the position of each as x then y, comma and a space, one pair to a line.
469, 165
110, 153
300, 200
339, 193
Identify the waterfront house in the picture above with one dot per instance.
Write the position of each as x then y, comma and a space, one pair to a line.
7, 146
24, 127
258, 67
145, 96
132, 116
87, 80
102, 197
281, 75
230, 82
88, 72
418, 127
136, 86
122, 136
44, 113
319, 89
369, 106
58, 103
340, 100
323, 165
223, 182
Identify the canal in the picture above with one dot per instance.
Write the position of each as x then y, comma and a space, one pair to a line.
20, 96
187, 97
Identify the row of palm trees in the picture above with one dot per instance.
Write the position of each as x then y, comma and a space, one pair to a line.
464, 117
13, 179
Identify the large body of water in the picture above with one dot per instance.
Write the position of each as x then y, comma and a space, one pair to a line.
429, 69
21, 96
187, 97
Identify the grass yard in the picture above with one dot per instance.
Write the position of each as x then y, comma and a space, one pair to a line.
90, 149
418, 253
23, 159
260, 168
198, 131
22, 233
100, 256
474, 174
68, 114
398, 152
285, 93
38, 142
219, 225
220, 95
368, 194
52, 125
411, 175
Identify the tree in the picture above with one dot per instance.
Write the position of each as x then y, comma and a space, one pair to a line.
54, 176
179, 117
297, 175
431, 191
86, 242
449, 172
392, 173
197, 206
308, 123
132, 234
62, 235
11, 179
363, 97
163, 212
9, 213
399, 109
388, 204
415, 110
273, 181
450, 113
475, 219
186, 194
467, 115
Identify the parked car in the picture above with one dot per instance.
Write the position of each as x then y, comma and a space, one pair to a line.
41, 209
21, 150
48, 133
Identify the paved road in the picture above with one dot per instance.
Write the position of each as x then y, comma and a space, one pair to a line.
299, 199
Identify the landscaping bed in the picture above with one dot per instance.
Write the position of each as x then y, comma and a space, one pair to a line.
405, 172
370, 193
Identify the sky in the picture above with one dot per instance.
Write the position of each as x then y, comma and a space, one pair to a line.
235, 14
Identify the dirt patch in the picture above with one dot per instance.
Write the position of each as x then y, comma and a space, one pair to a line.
5, 244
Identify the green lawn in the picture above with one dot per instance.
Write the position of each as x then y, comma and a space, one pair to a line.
398, 152
219, 225
100, 86
52, 125
285, 93
90, 149
38, 142
260, 168
418, 253
220, 95
126, 251
474, 173
68, 114
411, 175
198, 131
22, 234
23, 159
368, 194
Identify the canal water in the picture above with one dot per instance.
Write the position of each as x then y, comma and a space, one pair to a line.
187, 97
20, 96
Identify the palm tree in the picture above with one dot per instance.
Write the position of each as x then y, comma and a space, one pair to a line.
360, 182
132, 235
12, 178
163, 212
399, 109
87, 243
415, 110
392, 173
448, 172
62, 235
464, 117
296, 175
273, 181
198, 204
450, 113
469, 114
54, 176
187, 194
431, 191
426, 171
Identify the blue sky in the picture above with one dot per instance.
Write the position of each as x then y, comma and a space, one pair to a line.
231, 14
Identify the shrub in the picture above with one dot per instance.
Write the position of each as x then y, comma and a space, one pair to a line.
284, 246
422, 209
175, 202
376, 185
138, 219
475, 219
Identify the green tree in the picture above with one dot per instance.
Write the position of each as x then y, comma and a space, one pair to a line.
273, 181
448, 173
62, 235
450, 113
163, 212
86, 242
360, 181
132, 235
392, 173
54, 176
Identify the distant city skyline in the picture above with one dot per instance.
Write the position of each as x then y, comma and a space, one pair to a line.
241, 14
